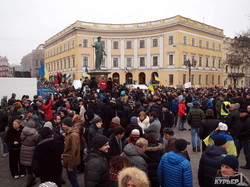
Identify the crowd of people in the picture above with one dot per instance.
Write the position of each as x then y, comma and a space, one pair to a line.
117, 136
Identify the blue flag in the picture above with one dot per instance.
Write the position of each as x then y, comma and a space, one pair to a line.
41, 70
86, 69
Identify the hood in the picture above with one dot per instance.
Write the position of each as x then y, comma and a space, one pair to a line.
73, 129
131, 150
34, 117
154, 148
214, 150
175, 158
28, 131
94, 154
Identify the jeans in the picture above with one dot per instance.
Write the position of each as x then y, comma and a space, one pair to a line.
72, 177
245, 144
194, 135
5, 148
180, 122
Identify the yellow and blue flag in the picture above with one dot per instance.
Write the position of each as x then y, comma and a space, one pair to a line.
158, 81
43, 71
150, 86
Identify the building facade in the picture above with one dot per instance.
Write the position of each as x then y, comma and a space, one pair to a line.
4, 67
136, 52
31, 61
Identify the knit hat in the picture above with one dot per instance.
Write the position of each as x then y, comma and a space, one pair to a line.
123, 92
48, 124
223, 126
96, 120
133, 119
48, 184
45, 132
113, 100
180, 144
219, 140
99, 141
116, 120
168, 131
68, 121
135, 133
196, 104
231, 161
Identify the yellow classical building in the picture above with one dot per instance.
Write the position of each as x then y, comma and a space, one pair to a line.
138, 51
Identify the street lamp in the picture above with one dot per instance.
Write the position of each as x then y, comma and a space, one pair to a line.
189, 64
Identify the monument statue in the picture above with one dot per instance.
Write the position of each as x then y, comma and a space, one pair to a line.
99, 52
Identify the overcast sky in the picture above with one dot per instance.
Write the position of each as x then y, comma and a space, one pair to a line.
27, 23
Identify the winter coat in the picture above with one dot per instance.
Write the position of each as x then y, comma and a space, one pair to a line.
71, 153
93, 131
3, 121
169, 144
208, 125
47, 110
136, 157
181, 109
210, 163
47, 162
194, 117
80, 126
174, 106
154, 127
232, 122
174, 170
244, 128
114, 147
143, 124
29, 137
96, 169
167, 120
154, 152
13, 135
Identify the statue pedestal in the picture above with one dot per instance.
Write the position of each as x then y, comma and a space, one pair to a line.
97, 75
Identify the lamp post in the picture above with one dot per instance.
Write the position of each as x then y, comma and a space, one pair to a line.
189, 64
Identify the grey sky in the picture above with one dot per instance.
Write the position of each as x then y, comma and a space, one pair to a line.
27, 23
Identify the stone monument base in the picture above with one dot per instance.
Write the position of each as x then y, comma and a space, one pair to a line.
97, 75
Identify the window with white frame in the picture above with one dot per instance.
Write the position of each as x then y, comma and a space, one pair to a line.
207, 61
171, 59
200, 61
155, 42
213, 63
115, 62
85, 61
170, 40
73, 61
129, 44
142, 61
207, 44
200, 43
171, 79
193, 41
85, 43
184, 58
155, 60
142, 43
129, 61
115, 44
185, 40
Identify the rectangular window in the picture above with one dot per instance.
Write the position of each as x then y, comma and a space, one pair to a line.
207, 62
192, 79
219, 63
60, 49
193, 41
85, 62
64, 47
184, 40
115, 62
200, 79
68, 62
115, 44
57, 65
73, 62
85, 43
65, 64
200, 43
213, 46
213, 63
171, 79
155, 61
68, 45
61, 65
207, 44
170, 40
212, 79
171, 60
155, 42
129, 62
73, 43
184, 59
206, 79
142, 61
103, 44
142, 43
200, 61
184, 78
129, 44
219, 47
218, 79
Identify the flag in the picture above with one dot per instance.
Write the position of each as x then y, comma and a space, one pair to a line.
43, 71
86, 69
46, 75
150, 86
68, 76
157, 79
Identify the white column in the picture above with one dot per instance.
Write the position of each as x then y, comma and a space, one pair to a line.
122, 54
109, 60
148, 65
161, 52
135, 53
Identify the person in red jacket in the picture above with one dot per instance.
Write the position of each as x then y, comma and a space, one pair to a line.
47, 108
103, 83
181, 114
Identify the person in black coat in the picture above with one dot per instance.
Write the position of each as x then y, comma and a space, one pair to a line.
133, 125
154, 151
210, 161
116, 142
166, 118
47, 158
208, 125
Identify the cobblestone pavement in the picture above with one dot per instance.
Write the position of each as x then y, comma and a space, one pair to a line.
6, 179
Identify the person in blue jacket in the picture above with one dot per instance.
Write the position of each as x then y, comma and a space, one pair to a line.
174, 169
